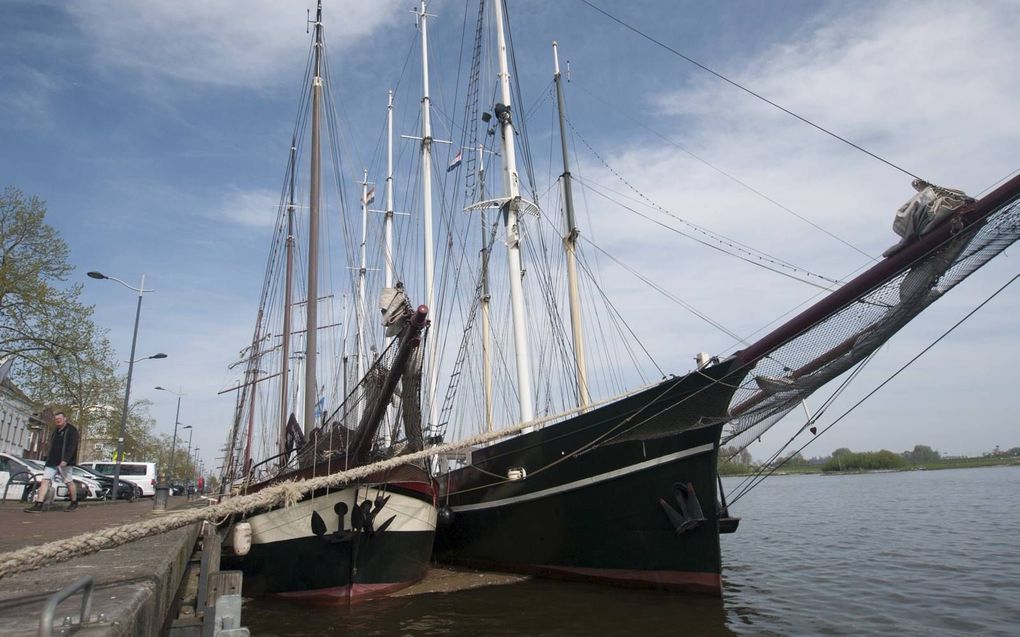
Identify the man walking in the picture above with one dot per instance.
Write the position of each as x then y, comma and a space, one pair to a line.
62, 456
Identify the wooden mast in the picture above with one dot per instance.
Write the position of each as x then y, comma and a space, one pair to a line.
570, 247
288, 300
311, 307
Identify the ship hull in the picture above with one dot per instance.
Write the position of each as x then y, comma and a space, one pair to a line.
593, 503
340, 558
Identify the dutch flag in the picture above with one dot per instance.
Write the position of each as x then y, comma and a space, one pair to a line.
456, 161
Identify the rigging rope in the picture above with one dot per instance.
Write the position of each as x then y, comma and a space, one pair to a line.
727, 175
881, 385
284, 494
723, 240
747, 90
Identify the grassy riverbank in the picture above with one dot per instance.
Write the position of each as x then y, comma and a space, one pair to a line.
729, 469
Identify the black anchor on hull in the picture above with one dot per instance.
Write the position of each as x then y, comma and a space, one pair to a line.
363, 515
362, 520
690, 515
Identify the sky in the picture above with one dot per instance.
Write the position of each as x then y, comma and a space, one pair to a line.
157, 133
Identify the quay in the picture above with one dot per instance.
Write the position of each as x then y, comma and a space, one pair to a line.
136, 585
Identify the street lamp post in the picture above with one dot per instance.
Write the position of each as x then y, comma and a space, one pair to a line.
187, 479
197, 464
177, 421
131, 366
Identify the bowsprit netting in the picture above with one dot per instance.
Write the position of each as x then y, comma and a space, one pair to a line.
784, 374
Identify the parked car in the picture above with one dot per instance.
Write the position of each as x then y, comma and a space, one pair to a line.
141, 473
17, 480
87, 488
126, 489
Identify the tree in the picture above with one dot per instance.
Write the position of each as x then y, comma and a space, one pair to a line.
745, 457
33, 259
63, 359
796, 460
842, 451
922, 454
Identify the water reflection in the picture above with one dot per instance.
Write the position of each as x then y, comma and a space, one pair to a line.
535, 607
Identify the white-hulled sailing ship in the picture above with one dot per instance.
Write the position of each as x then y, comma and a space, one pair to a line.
371, 536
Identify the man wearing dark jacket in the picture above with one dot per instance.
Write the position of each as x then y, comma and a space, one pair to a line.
62, 456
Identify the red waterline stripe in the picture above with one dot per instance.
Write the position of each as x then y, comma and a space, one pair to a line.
343, 594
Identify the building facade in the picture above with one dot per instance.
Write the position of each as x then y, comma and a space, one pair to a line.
20, 431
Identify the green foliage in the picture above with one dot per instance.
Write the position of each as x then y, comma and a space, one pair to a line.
734, 462
864, 461
40, 320
63, 360
733, 455
922, 454
733, 468
796, 460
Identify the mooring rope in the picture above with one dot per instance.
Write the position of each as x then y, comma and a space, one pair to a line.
284, 494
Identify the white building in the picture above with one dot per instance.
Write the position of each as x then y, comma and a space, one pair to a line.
16, 422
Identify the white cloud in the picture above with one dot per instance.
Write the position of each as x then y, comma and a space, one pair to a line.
256, 208
26, 98
930, 89
215, 41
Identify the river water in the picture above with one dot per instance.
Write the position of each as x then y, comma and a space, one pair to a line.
922, 552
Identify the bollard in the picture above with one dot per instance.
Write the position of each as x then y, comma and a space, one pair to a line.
162, 495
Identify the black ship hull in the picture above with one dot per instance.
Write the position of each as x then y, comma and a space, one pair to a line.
319, 550
624, 494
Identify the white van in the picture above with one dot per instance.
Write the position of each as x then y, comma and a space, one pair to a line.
141, 473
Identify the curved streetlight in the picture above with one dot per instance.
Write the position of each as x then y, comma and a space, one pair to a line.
131, 366
146, 358
177, 421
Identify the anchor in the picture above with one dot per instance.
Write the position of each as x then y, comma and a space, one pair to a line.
690, 515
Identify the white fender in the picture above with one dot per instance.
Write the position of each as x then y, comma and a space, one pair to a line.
241, 539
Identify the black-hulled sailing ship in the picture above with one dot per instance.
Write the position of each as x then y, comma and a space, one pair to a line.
375, 534
626, 491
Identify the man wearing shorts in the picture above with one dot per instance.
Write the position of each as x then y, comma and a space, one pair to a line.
62, 456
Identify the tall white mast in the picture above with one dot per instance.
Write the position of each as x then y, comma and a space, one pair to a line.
486, 355
311, 307
513, 236
570, 246
388, 219
360, 318
432, 359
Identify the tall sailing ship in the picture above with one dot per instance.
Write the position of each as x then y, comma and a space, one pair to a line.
370, 536
626, 490
622, 488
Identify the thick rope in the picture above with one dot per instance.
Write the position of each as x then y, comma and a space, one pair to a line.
284, 494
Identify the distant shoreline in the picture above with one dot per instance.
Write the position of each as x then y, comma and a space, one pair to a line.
954, 463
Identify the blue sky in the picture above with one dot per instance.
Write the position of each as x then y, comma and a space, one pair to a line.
158, 134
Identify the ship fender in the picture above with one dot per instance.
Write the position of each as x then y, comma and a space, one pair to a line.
241, 539
690, 515
444, 517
